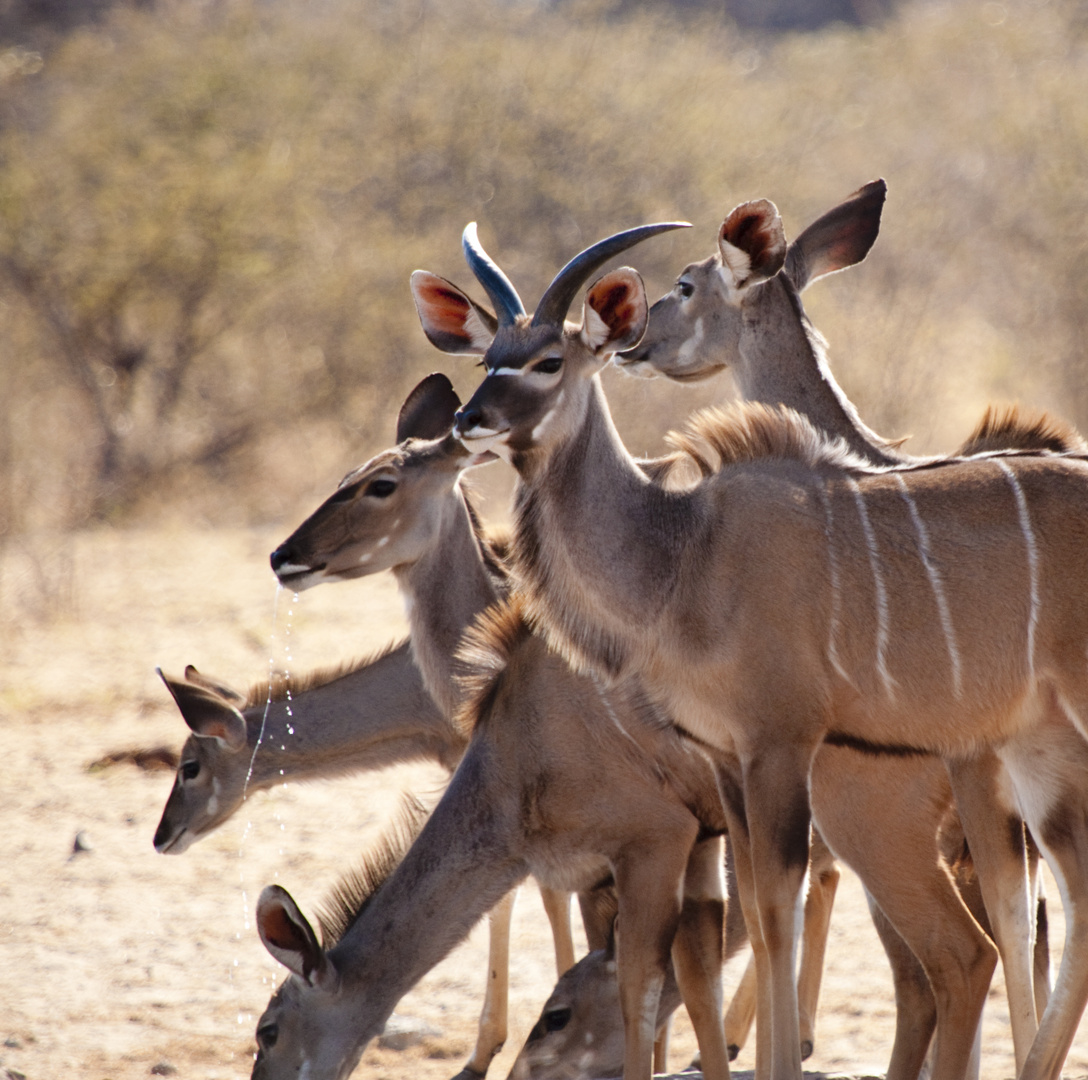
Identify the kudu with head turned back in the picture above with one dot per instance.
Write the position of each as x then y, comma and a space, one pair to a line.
895, 636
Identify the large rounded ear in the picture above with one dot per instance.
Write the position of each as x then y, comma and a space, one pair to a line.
427, 412
290, 938
752, 243
841, 238
452, 322
217, 687
208, 714
615, 313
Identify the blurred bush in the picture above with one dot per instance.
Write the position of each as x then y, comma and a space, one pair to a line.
209, 212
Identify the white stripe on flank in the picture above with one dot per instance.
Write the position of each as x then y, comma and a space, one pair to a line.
881, 592
1033, 560
833, 568
937, 585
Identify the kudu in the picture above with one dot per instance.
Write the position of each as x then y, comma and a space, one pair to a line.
895, 637
706, 324
563, 734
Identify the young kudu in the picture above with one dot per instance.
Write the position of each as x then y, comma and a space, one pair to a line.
709, 322
563, 736
895, 635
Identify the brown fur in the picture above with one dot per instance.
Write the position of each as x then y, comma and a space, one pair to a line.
282, 685
1011, 428
351, 895
484, 653
749, 431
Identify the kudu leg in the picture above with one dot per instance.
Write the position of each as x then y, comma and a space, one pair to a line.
823, 884
741, 1013
1066, 848
915, 1007
885, 828
493, 1017
697, 954
649, 883
777, 811
739, 1017
557, 908
995, 836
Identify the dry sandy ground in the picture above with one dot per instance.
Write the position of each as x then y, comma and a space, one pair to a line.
121, 963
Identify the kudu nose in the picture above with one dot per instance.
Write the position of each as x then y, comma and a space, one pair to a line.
281, 557
466, 418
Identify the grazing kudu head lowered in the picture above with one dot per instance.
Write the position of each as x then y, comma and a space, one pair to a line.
795, 594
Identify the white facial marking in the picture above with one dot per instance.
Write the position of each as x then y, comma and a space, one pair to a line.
595, 331
881, 592
213, 804
292, 568
480, 439
363, 559
936, 584
833, 568
1033, 559
687, 350
383, 541
546, 418
506, 371
217, 786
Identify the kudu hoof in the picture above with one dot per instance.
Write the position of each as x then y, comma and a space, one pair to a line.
469, 1074
733, 1051
806, 1049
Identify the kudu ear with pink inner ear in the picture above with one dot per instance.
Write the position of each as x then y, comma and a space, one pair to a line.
288, 936
752, 242
453, 322
616, 312
427, 412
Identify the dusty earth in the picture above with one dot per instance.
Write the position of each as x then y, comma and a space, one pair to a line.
119, 963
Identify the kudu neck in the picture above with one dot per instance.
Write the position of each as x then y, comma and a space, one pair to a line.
782, 362
444, 591
596, 540
379, 714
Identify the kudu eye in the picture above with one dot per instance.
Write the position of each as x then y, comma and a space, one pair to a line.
686, 289
548, 366
382, 489
267, 1036
556, 1019
189, 770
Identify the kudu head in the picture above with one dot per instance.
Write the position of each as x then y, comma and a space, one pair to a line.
387, 512
539, 368
309, 1027
697, 329
207, 790
580, 1030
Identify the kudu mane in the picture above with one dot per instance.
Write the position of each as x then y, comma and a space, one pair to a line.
282, 685
715, 438
356, 890
1011, 428
483, 655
